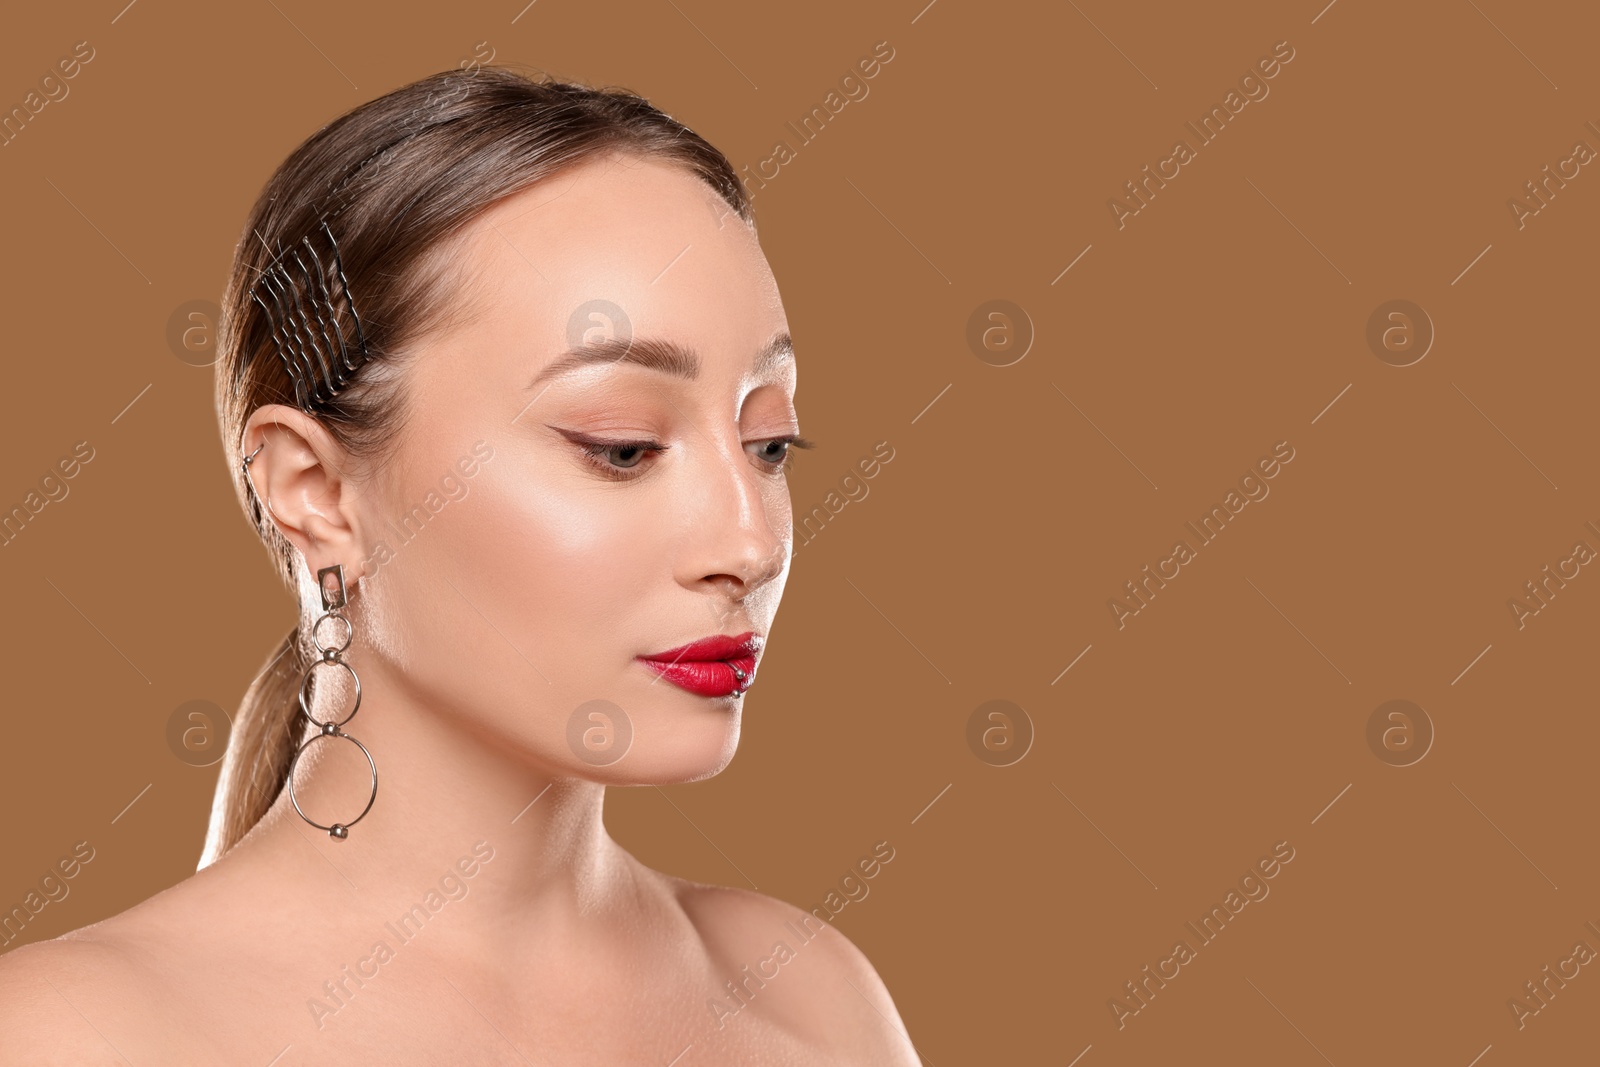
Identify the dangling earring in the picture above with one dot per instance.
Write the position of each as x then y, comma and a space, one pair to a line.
332, 600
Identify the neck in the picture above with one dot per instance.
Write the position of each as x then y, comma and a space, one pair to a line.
448, 802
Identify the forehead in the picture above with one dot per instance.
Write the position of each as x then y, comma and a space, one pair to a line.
621, 243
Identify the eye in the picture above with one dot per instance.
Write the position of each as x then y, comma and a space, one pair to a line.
775, 451
624, 460
618, 460
624, 454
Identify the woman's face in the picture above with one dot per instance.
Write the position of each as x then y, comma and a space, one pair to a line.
518, 598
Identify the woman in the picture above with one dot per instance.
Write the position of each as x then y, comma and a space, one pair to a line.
506, 385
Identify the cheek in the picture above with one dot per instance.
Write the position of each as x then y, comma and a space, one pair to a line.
521, 602
557, 558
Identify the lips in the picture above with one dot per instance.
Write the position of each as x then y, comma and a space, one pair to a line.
707, 667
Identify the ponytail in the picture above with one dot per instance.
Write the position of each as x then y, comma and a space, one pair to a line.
260, 748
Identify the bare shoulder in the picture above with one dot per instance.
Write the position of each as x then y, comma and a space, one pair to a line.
39, 982
834, 995
100, 992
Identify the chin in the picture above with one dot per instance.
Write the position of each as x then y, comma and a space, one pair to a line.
688, 748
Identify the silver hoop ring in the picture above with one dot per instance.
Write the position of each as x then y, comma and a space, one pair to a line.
338, 830
349, 633
310, 674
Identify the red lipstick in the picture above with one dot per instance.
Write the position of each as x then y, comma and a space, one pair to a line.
715, 666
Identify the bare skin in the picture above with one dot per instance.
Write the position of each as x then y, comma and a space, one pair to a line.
534, 937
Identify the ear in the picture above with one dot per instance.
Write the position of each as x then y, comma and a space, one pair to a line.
301, 478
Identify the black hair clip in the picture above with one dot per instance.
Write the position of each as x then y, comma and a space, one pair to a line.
306, 300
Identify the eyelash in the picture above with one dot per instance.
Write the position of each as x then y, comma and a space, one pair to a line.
594, 451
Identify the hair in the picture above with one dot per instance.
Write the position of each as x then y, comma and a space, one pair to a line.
401, 176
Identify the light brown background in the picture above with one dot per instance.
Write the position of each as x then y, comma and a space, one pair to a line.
1224, 318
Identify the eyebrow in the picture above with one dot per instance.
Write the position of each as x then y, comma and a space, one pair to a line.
656, 353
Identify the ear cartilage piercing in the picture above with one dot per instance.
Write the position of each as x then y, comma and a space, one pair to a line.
332, 655
250, 486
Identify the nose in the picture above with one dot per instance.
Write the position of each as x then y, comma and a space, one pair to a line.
736, 545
